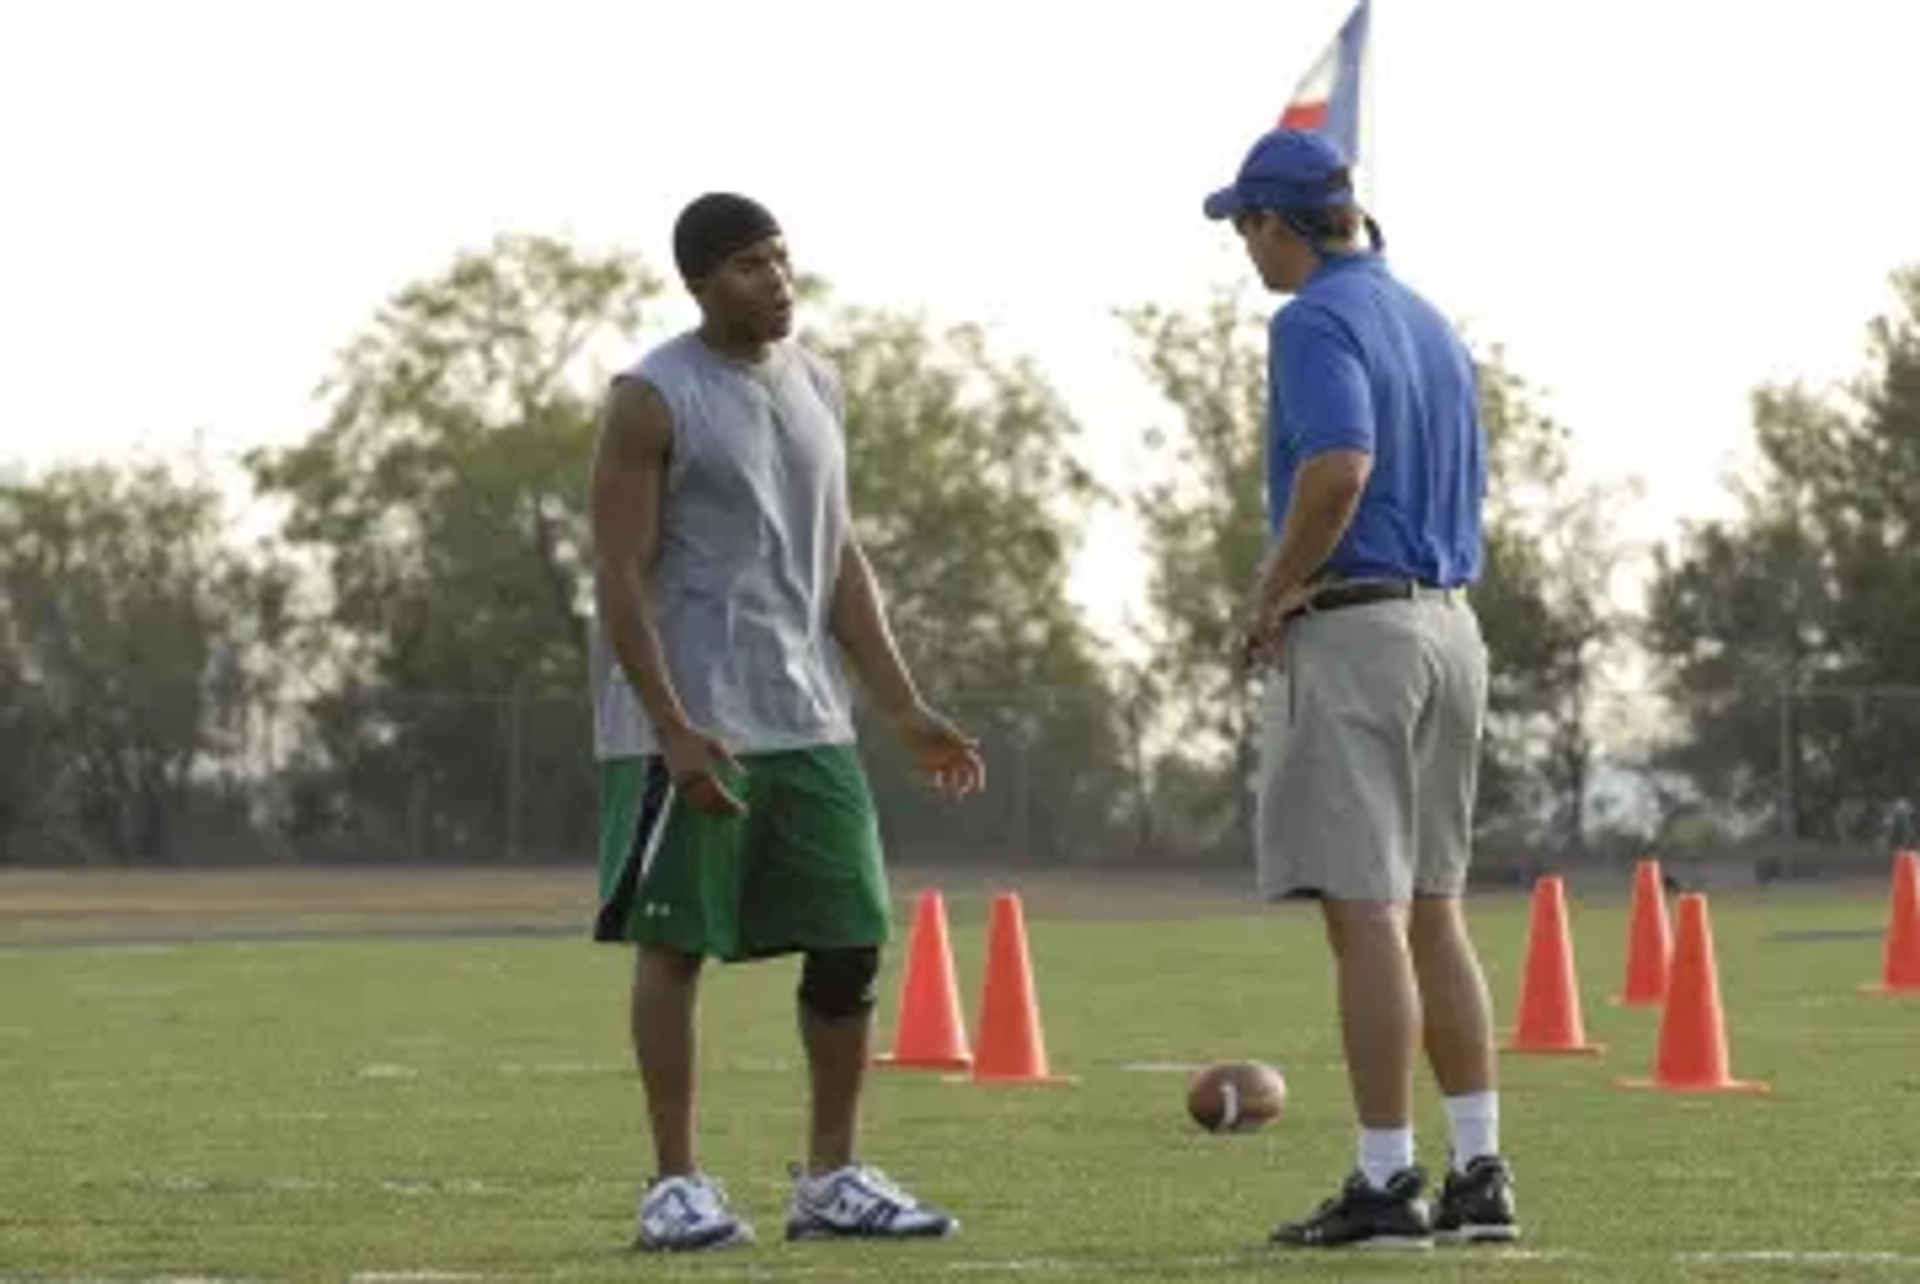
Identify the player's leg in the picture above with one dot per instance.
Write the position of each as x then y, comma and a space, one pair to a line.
1336, 821
665, 982
668, 879
1476, 1200
836, 997
817, 885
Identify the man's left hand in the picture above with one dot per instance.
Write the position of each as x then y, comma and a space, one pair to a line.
949, 759
1261, 638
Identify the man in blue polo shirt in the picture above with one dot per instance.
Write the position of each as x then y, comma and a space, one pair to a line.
1376, 682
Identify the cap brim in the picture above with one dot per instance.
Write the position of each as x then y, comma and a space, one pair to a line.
1224, 203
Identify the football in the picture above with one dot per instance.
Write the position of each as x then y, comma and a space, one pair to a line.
1236, 1096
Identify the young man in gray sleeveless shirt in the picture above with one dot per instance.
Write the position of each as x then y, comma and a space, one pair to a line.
737, 823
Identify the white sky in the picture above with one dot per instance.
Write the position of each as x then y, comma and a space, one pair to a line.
200, 201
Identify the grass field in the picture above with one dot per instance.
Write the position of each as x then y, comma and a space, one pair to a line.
385, 1108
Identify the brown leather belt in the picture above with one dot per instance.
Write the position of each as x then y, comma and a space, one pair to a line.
1344, 593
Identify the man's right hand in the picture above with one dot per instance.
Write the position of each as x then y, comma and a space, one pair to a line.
693, 758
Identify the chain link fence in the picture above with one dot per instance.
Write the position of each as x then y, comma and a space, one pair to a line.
1781, 784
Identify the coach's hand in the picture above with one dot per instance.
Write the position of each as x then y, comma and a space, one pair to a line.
693, 758
945, 756
1260, 640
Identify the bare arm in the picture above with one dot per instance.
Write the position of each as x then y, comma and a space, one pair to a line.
629, 478
859, 621
1326, 491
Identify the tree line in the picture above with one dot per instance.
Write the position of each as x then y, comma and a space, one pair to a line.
399, 671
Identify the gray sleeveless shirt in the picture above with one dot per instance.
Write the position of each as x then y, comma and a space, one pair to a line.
752, 524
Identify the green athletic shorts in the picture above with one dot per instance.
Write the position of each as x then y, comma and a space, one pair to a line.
802, 870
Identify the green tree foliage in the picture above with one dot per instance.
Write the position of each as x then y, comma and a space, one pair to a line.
134, 642
1204, 527
1548, 610
443, 497
1776, 628
968, 497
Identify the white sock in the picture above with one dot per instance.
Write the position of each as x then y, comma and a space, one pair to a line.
1384, 1152
1476, 1127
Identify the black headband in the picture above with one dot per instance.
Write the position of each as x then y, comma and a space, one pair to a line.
717, 225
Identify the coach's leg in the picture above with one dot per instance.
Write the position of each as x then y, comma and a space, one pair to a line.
1381, 1203
1476, 1200
665, 983
1337, 819
1379, 1005
836, 1020
1458, 1024
1453, 988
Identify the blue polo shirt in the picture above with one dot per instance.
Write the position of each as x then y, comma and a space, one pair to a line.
1357, 361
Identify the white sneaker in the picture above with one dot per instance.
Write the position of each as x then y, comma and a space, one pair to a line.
682, 1214
858, 1201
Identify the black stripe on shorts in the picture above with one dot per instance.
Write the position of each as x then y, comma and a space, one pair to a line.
612, 921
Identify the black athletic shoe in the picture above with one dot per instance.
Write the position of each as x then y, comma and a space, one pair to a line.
1476, 1207
1362, 1217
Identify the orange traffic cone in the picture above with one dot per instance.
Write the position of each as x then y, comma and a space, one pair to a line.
1550, 1020
1900, 973
1649, 946
1692, 1052
931, 1034
1011, 1046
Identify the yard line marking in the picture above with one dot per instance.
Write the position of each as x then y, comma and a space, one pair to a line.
767, 1065
564, 1067
137, 1279
1248, 1256
1802, 1257
1160, 1067
1018, 1266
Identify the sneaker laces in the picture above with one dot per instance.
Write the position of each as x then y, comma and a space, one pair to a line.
880, 1184
1355, 1184
866, 1178
704, 1196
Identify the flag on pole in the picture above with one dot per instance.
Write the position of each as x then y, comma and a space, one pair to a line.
1327, 99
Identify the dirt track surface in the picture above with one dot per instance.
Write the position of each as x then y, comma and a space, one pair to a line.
45, 906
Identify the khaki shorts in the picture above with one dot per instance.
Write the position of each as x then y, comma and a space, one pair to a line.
1370, 751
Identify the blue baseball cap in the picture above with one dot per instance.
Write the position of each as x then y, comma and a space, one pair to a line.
1286, 169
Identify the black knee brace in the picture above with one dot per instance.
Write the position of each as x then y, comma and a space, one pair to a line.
837, 985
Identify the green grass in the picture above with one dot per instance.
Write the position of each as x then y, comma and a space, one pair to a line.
312, 1110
